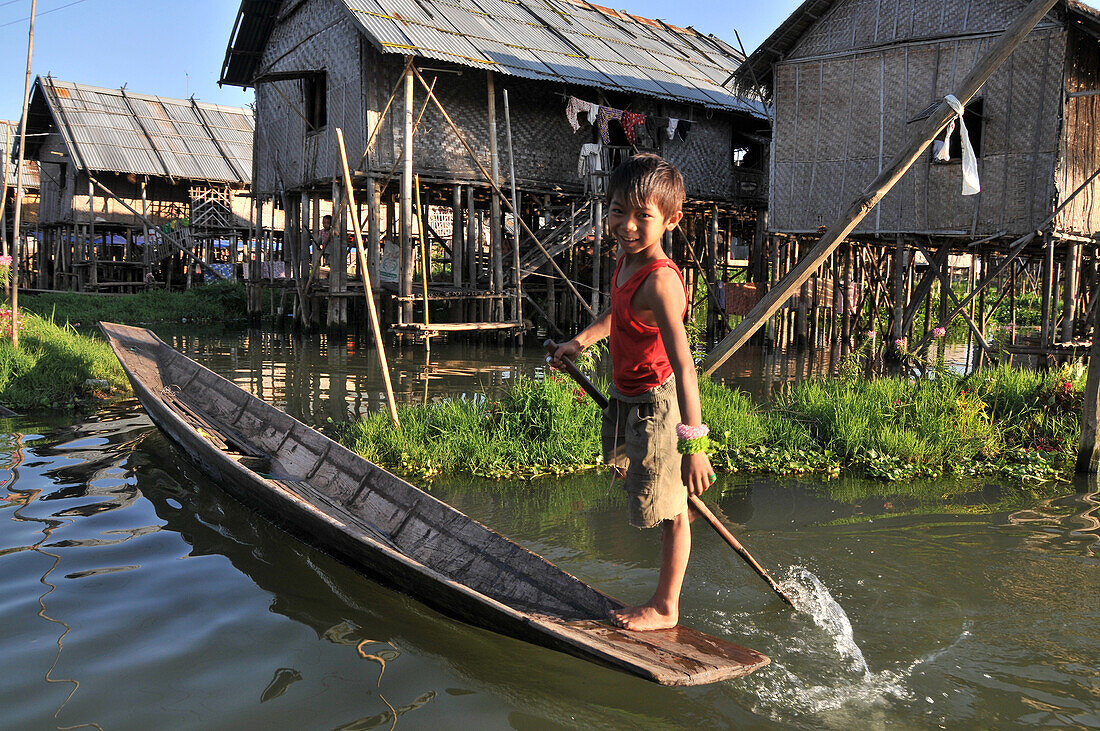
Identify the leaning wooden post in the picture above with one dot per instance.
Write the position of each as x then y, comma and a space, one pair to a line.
880, 186
1088, 451
349, 201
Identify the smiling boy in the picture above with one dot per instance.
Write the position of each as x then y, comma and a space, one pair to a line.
652, 430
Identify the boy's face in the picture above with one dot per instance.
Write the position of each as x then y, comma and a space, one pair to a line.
637, 228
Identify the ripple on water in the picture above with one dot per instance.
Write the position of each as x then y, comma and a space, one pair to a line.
818, 669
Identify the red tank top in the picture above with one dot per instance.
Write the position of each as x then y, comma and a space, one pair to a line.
638, 358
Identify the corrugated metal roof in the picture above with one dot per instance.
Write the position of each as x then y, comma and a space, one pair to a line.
8, 162
569, 41
119, 131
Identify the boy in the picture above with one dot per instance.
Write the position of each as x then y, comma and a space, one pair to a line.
653, 374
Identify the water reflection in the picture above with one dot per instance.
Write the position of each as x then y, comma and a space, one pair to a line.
316, 379
175, 605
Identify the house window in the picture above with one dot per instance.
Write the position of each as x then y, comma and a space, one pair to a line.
315, 100
972, 115
747, 151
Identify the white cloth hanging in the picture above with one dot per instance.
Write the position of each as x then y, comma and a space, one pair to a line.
970, 183
672, 127
589, 161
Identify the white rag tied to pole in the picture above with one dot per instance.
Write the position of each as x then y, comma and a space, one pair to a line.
971, 184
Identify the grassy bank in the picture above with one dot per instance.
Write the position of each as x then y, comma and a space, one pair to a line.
1016, 424
53, 366
217, 302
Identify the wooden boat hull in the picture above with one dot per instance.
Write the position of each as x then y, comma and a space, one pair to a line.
387, 528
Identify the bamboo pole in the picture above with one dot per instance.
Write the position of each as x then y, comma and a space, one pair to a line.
16, 244
404, 287
517, 312
880, 186
495, 243
424, 258
349, 201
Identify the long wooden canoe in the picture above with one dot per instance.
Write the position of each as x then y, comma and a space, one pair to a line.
387, 528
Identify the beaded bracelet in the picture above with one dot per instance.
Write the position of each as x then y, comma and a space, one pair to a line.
692, 446
683, 431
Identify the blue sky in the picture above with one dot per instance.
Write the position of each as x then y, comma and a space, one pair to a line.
175, 48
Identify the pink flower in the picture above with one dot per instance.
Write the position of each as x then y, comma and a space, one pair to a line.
939, 332
871, 334
5, 261
900, 343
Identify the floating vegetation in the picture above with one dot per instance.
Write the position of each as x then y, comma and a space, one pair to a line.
215, 302
1015, 424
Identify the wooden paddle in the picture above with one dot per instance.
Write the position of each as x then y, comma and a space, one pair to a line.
700, 507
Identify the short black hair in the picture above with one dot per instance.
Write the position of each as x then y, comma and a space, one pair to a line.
648, 177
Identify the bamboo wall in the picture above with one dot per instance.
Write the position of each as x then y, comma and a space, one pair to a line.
360, 80
860, 24
317, 35
1080, 148
840, 118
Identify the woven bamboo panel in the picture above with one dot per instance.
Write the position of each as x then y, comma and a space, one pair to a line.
1021, 101
1080, 138
785, 113
861, 24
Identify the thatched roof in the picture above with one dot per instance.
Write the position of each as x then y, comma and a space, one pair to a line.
568, 41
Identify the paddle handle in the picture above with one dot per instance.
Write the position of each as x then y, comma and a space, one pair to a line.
576, 375
699, 505
703, 510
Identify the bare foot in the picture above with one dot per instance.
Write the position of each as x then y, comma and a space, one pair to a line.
645, 618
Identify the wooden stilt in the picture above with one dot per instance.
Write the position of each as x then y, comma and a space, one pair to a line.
881, 185
1088, 451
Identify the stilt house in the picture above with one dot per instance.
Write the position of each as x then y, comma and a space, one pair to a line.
364, 67
136, 187
9, 141
849, 80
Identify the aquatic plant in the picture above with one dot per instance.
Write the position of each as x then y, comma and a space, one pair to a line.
55, 366
215, 302
1020, 425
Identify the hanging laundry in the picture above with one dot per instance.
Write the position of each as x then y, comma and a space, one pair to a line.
589, 161
575, 107
630, 120
682, 130
603, 118
672, 123
593, 112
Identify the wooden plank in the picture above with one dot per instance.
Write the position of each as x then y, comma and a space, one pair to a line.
879, 187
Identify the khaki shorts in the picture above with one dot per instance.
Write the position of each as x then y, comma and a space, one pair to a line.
639, 433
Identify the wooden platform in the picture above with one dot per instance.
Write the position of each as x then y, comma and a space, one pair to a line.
438, 328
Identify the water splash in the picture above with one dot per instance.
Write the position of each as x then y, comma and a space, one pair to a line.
805, 678
811, 597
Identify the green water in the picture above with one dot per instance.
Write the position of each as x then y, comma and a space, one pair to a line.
135, 593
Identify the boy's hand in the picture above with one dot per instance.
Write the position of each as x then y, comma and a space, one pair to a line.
697, 473
570, 349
